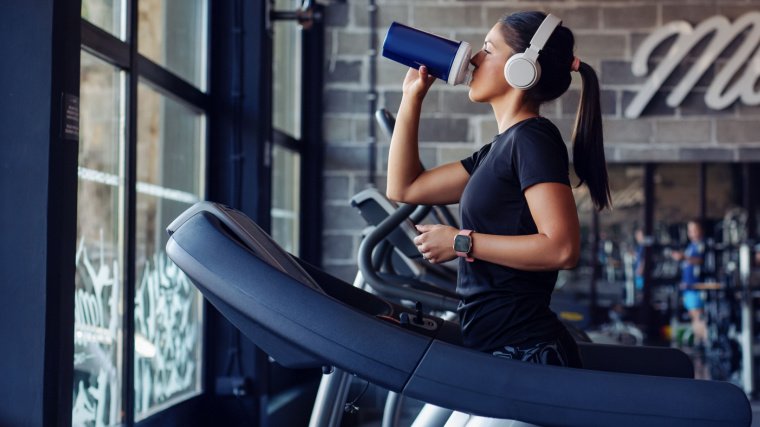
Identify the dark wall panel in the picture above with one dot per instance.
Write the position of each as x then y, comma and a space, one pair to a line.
38, 183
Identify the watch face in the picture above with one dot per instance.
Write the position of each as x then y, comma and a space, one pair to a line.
462, 243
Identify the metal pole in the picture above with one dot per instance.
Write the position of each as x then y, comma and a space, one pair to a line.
749, 200
747, 309
331, 397
702, 192
649, 200
372, 92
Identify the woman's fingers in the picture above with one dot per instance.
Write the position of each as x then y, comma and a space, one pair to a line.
425, 78
417, 82
422, 228
412, 74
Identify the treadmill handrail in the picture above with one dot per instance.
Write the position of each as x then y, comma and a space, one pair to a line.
368, 244
420, 213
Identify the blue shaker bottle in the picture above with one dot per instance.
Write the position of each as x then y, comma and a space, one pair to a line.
445, 59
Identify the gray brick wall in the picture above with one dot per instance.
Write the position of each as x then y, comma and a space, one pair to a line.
608, 32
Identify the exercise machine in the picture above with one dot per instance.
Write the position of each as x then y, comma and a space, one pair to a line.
303, 317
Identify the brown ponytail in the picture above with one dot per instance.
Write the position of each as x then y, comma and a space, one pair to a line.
588, 141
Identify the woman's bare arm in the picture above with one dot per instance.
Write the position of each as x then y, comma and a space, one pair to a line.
556, 245
407, 181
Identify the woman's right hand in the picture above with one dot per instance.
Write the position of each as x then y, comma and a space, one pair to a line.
417, 83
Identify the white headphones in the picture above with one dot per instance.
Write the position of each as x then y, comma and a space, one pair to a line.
522, 70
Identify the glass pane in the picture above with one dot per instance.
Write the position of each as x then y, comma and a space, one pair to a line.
721, 190
99, 297
616, 253
286, 73
619, 248
108, 15
676, 190
168, 309
676, 201
286, 178
173, 34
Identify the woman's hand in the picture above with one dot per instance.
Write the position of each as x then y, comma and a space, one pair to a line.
417, 83
436, 243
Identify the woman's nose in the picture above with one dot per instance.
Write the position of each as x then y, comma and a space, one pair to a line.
475, 60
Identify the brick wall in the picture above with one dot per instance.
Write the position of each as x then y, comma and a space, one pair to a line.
607, 35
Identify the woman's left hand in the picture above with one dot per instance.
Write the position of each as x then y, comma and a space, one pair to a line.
436, 243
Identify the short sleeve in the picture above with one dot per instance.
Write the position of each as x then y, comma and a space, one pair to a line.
540, 156
472, 162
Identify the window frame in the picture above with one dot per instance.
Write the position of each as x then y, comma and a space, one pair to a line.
309, 145
124, 55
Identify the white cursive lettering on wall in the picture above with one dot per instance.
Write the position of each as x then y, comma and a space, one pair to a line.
719, 95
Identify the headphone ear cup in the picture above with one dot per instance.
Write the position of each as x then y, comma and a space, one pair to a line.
521, 72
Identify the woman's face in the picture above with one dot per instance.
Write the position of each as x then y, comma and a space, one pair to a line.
488, 80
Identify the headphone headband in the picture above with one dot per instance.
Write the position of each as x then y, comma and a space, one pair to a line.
543, 32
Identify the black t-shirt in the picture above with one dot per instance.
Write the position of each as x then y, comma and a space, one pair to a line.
502, 305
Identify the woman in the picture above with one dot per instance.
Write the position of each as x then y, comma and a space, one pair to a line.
520, 224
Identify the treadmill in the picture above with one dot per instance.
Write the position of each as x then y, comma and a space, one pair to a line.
303, 317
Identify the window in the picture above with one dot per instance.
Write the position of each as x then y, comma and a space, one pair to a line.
615, 255
98, 325
286, 73
109, 15
286, 167
168, 309
677, 201
141, 162
286, 120
172, 33
680, 198
721, 191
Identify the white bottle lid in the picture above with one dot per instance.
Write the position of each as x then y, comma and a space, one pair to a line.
460, 67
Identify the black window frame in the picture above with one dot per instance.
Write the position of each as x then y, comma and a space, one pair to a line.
124, 55
310, 145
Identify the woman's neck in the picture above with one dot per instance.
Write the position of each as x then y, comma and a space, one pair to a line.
511, 108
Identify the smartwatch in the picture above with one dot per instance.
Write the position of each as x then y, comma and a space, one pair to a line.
463, 245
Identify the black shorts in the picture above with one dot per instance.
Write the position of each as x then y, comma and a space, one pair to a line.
559, 352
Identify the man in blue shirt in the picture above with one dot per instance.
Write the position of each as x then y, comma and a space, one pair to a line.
691, 261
